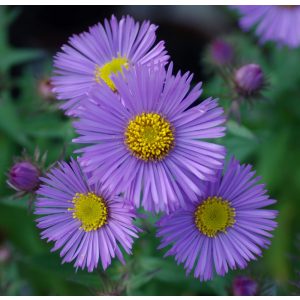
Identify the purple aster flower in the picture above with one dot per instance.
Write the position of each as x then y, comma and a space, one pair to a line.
151, 145
104, 50
226, 228
278, 23
244, 286
221, 52
24, 176
88, 222
5, 254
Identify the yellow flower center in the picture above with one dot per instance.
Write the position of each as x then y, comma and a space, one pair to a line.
112, 67
214, 215
90, 210
149, 136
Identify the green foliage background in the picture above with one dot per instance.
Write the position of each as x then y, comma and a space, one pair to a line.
268, 137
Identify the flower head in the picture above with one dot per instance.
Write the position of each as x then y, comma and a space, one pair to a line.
244, 286
24, 176
150, 145
5, 254
88, 222
249, 79
225, 229
221, 52
104, 50
276, 23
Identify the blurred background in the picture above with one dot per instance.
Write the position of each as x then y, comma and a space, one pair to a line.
262, 130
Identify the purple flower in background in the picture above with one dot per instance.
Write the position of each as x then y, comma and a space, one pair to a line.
221, 52
151, 145
24, 176
249, 79
87, 222
226, 228
104, 50
44, 89
278, 23
5, 254
244, 286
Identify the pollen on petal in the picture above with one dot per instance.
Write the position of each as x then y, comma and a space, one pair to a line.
114, 66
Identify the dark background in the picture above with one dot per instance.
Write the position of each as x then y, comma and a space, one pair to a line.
186, 29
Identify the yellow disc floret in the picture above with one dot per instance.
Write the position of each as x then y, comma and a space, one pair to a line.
90, 210
149, 136
214, 215
112, 67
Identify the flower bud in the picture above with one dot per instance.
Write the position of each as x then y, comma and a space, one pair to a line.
249, 79
45, 89
244, 286
5, 254
221, 52
24, 176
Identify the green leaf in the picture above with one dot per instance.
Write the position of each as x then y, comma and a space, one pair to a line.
19, 203
136, 281
12, 57
49, 126
269, 288
18, 223
8, 149
88, 280
239, 130
10, 122
7, 16
219, 285
241, 148
52, 263
164, 270
272, 165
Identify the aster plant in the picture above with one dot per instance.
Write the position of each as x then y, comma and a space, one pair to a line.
225, 229
151, 155
95, 55
90, 224
146, 142
150, 144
